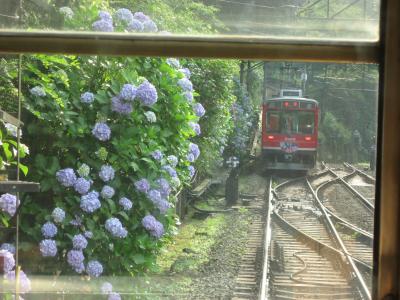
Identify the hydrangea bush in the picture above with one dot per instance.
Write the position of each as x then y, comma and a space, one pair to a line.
112, 143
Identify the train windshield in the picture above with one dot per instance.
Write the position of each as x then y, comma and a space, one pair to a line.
290, 122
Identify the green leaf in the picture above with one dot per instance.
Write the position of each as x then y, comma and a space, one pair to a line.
139, 259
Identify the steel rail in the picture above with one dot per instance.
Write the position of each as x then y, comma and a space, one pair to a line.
363, 286
348, 165
267, 238
364, 201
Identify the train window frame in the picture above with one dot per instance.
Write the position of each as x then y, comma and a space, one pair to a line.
384, 52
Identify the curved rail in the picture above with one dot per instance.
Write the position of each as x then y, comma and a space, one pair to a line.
350, 166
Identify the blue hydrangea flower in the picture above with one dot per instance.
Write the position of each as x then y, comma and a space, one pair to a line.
142, 185
135, 25
114, 226
147, 93
106, 288
173, 160
87, 97
82, 186
154, 195
90, 202
24, 282
121, 107
107, 192
186, 72
66, 12
106, 173
8, 261
125, 203
189, 96
48, 248
196, 127
173, 62
58, 215
150, 116
79, 242
8, 247
199, 110
154, 227
170, 170
128, 92
124, 15
12, 129
104, 15
185, 84
141, 17
101, 131
149, 26
8, 204
84, 170
38, 91
194, 149
103, 25
157, 155
76, 221
88, 234
114, 296
66, 177
49, 230
75, 259
190, 157
162, 205
192, 171
164, 187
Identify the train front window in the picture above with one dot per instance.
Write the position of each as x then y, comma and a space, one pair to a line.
290, 122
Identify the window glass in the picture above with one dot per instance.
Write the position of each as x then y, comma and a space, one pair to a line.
304, 19
291, 122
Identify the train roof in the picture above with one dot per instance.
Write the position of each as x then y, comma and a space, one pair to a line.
292, 98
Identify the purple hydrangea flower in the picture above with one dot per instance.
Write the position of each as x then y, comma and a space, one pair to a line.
8, 204
162, 205
154, 195
186, 72
79, 242
103, 25
90, 202
88, 234
190, 157
82, 185
185, 84
189, 96
154, 227
125, 203
101, 131
173, 160
106, 288
106, 173
66, 177
192, 171
157, 155
120, 107
196, 127
107, 192
8, 247
104, 15
58, 215
84, 170
114, 226
114, 296
48, 248
142, 185
24, 282
8, 261
171, 171
141, 17
150, 116
149, 26
128, 92
164, 187
194, 149
173, 62
87, 97
38, 91
49, 230
75, 259
147, 93
135, 25
124, 15
199, 110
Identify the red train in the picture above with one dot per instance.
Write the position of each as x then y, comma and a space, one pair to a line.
290, 131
